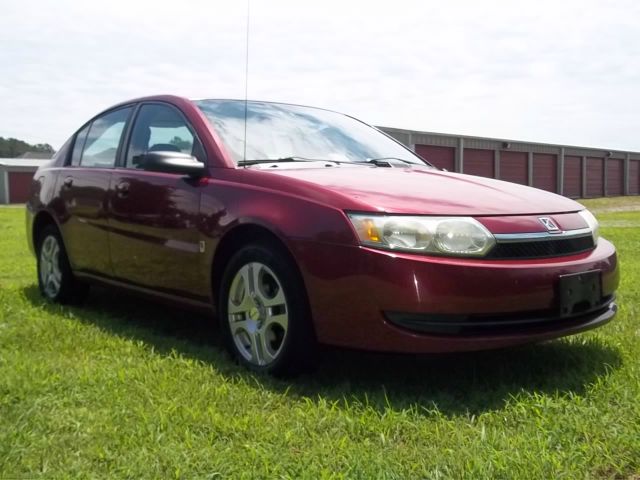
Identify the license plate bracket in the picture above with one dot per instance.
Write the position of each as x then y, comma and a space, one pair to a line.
579, 292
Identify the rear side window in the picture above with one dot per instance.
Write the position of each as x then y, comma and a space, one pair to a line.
78, 145
161, 128
103, 139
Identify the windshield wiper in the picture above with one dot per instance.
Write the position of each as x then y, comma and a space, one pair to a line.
386, 161
377, 162
279, 160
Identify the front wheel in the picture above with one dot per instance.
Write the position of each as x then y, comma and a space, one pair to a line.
264, 312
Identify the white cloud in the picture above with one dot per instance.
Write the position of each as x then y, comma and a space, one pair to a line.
563, 72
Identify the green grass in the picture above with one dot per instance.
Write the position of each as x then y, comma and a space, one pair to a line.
613, 204
124, 388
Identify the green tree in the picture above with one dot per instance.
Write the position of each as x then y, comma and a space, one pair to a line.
12, 147
183, 145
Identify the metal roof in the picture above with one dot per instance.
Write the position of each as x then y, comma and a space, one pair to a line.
412, 137
36, 155
22, 162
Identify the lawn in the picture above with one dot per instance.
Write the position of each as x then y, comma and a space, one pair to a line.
122, 387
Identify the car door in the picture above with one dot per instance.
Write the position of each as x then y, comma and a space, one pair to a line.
84, 186
154, 236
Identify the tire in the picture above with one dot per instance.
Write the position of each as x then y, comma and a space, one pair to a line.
55, 278
264, 313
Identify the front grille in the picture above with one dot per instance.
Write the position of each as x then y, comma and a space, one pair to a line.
542, 248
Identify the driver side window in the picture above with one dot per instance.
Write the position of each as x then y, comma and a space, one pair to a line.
160, 128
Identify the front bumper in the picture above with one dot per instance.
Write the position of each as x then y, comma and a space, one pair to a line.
356, 291
525, 323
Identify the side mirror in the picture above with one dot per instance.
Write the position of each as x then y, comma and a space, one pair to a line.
172, 162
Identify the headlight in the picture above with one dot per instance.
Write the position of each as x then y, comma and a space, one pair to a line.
455, 236
593, 224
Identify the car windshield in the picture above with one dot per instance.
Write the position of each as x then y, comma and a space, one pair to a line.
276, 131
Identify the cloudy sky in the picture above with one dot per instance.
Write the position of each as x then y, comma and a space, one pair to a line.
551, 71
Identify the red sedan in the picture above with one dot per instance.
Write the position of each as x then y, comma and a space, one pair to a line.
301, 226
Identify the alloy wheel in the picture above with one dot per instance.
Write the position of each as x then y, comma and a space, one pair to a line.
50, 273
257, 313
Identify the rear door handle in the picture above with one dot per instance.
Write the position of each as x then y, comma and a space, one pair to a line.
68, 182
123, 189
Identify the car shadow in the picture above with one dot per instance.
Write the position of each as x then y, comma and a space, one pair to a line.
450, 384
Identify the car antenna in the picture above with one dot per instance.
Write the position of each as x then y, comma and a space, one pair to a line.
246, 84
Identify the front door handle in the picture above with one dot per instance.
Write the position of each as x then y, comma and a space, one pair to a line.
68, 182
122, 189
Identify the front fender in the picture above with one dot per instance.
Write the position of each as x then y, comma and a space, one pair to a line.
225, 205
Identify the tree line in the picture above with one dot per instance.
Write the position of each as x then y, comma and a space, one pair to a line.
12, 147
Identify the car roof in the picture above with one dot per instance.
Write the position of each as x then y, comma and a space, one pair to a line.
250, 100
178, 99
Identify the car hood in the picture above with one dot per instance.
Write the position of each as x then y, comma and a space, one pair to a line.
428, 191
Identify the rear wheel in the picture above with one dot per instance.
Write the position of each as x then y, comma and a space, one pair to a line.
264, 312
55, 278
